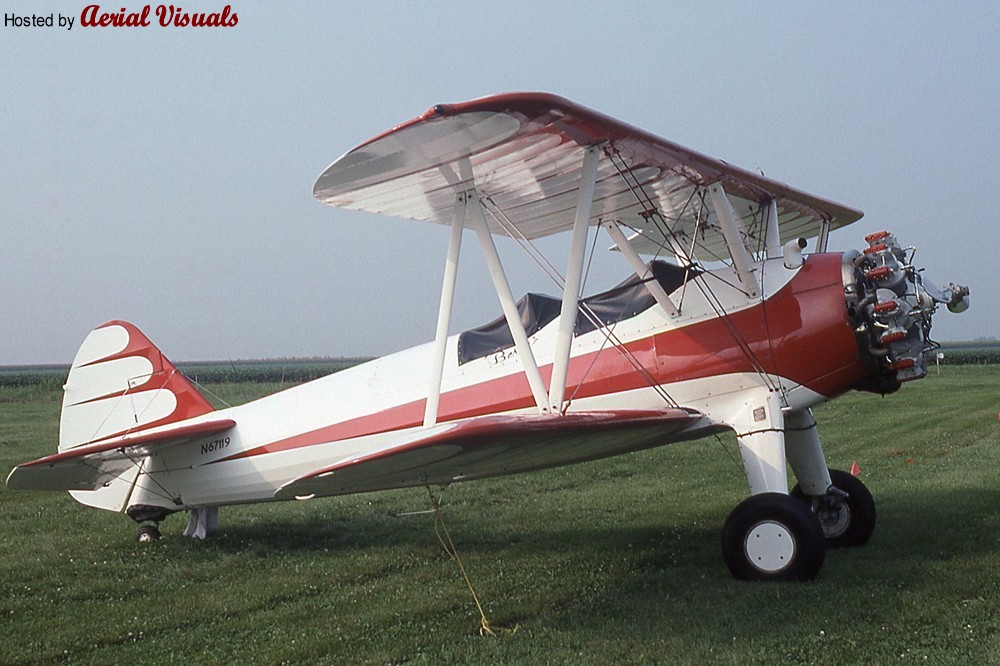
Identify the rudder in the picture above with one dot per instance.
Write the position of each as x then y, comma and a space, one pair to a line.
121, 383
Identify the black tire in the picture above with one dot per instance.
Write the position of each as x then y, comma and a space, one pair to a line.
147, 534
773, 537
847, 521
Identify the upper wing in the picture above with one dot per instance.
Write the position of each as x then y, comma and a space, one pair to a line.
491, 446
91, 466
523, 153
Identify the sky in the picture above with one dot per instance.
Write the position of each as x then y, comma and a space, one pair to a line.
164, 175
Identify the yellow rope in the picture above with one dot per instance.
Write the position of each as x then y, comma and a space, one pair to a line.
449, 547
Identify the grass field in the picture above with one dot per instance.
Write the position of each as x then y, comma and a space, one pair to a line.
610, 562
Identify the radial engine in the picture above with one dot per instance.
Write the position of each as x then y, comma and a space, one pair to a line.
891, 303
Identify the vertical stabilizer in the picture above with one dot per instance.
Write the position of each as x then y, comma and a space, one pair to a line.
121, 383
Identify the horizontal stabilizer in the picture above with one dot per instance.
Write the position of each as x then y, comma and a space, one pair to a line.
94, 465
493, 445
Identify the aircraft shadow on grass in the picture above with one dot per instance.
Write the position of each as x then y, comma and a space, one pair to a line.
922, 530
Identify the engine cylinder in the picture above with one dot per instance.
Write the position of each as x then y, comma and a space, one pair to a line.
891, 311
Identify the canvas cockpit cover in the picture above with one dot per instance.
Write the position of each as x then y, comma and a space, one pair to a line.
536, 311
604, 309
630, 297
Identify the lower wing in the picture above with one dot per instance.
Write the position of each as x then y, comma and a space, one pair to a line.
492, 446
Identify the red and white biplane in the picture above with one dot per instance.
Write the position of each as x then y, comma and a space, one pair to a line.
724, 323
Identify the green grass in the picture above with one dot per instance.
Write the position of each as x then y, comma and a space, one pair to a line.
610, 562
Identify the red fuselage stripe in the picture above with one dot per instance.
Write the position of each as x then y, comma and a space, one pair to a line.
802, 334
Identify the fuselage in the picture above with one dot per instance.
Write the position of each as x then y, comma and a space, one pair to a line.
796, 338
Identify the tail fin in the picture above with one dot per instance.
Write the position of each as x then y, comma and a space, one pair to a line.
121, 383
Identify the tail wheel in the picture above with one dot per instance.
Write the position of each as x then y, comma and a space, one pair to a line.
147, 534
847, 514
771, 536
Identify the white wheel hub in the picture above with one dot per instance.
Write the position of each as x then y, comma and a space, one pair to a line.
769, 546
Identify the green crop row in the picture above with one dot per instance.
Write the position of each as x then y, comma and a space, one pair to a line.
274, 372
971, 356
297, 371
289, 372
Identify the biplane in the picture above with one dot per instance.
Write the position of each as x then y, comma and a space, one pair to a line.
724, 322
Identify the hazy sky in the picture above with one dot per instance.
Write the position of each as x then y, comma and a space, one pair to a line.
164, 175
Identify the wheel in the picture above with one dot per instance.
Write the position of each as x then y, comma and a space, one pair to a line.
847, 520
147, 533
771, 536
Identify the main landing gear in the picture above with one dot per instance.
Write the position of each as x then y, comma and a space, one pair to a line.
772, 536
145, 513
202, 523
777, 536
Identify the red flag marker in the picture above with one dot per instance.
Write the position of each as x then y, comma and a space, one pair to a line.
855, 469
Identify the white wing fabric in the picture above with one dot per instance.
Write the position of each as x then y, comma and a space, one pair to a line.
523, 152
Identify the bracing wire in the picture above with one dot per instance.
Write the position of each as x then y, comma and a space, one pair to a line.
590, 261
625, 352
652, 214
202, 387
504, 222
163, 492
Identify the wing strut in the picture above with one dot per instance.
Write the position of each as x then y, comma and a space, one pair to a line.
444, 312
824, 236
513, 317
772, 236
574, 273
733, 232
642, 270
